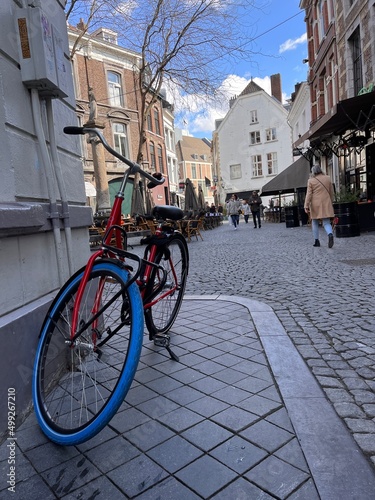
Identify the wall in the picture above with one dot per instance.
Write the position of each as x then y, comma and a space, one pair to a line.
28, 258
233, 142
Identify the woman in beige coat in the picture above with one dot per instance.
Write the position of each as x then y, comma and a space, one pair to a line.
318, 203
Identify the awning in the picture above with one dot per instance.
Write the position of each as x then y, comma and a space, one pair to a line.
90, 190
356, 113
293, 177
242, 195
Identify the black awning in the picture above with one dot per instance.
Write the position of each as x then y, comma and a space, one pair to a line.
356, 113
242, 195
293, 177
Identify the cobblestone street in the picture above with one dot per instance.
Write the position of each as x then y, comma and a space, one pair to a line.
323, 297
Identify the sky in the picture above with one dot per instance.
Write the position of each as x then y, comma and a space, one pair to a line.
279, 45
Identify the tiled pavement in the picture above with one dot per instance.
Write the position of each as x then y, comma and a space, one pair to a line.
238, 417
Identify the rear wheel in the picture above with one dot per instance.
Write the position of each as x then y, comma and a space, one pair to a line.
165, 291
77, 388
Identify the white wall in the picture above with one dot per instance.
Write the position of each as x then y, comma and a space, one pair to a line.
234, 140
28, 262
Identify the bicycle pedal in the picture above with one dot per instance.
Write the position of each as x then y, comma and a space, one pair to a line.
162, 340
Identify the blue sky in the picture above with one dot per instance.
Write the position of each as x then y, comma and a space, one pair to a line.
279, 45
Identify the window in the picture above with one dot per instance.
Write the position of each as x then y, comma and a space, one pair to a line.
271, 134
120, 139
114, 89
152, 156
255, 137
167, 138
193, 171
256, 164
355, 42
254, 116
320, 17
157, 121
160, 159
149, 122
271, 163
235, 171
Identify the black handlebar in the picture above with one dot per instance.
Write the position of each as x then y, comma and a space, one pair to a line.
155, 179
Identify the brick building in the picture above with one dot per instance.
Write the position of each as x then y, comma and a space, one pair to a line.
109, 71
341, 57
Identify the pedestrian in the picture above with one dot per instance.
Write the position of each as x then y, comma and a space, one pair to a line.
212, 209
318, 203
255, 202
233, 209
220, 209
246, 211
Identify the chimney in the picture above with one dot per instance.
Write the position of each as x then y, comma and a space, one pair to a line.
276, 87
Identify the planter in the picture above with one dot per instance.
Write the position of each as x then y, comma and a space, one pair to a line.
347, 224
291, 216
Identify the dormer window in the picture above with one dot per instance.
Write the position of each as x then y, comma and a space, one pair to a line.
106, 35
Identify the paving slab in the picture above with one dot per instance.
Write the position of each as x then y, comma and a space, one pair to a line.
240, 416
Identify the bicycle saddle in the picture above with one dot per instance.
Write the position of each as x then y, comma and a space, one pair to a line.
167, 212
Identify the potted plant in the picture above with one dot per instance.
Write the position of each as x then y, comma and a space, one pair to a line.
346, 213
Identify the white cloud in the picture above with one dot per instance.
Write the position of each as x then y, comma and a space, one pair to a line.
292, 44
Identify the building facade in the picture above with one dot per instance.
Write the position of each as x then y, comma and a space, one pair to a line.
341, 41
170, 147
194, 163
40, 218
107, 71
253, 143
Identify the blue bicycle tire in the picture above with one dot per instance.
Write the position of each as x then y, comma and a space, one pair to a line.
78, 389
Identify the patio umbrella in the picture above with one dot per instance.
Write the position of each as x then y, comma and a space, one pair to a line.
138, 207
201, 200
191, 199
149, 202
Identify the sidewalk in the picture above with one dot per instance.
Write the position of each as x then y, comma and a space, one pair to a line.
239, 417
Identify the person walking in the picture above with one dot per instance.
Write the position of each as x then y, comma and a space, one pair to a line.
255, 202
318, 203
233, 208
246, 211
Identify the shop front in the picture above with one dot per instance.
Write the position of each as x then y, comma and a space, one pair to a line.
348, 132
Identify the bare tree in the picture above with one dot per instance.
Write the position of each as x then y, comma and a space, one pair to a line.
185, 45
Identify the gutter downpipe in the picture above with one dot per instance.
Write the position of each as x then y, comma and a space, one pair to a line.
56, 167
49, 175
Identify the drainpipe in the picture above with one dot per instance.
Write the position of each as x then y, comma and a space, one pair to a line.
56, 167
49, 176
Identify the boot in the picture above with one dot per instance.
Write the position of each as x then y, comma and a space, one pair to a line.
330, 240
317, 243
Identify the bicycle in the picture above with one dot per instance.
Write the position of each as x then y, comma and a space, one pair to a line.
91, 339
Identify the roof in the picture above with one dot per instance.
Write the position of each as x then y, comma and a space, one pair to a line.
356, 113
193, 149
251, 87
293, 177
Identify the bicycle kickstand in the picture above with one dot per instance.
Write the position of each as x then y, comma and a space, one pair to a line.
162, 340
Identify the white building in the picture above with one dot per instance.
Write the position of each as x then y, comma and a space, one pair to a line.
300, 115
253, 143
170, 148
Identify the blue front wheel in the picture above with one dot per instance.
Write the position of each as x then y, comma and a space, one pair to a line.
77, 388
